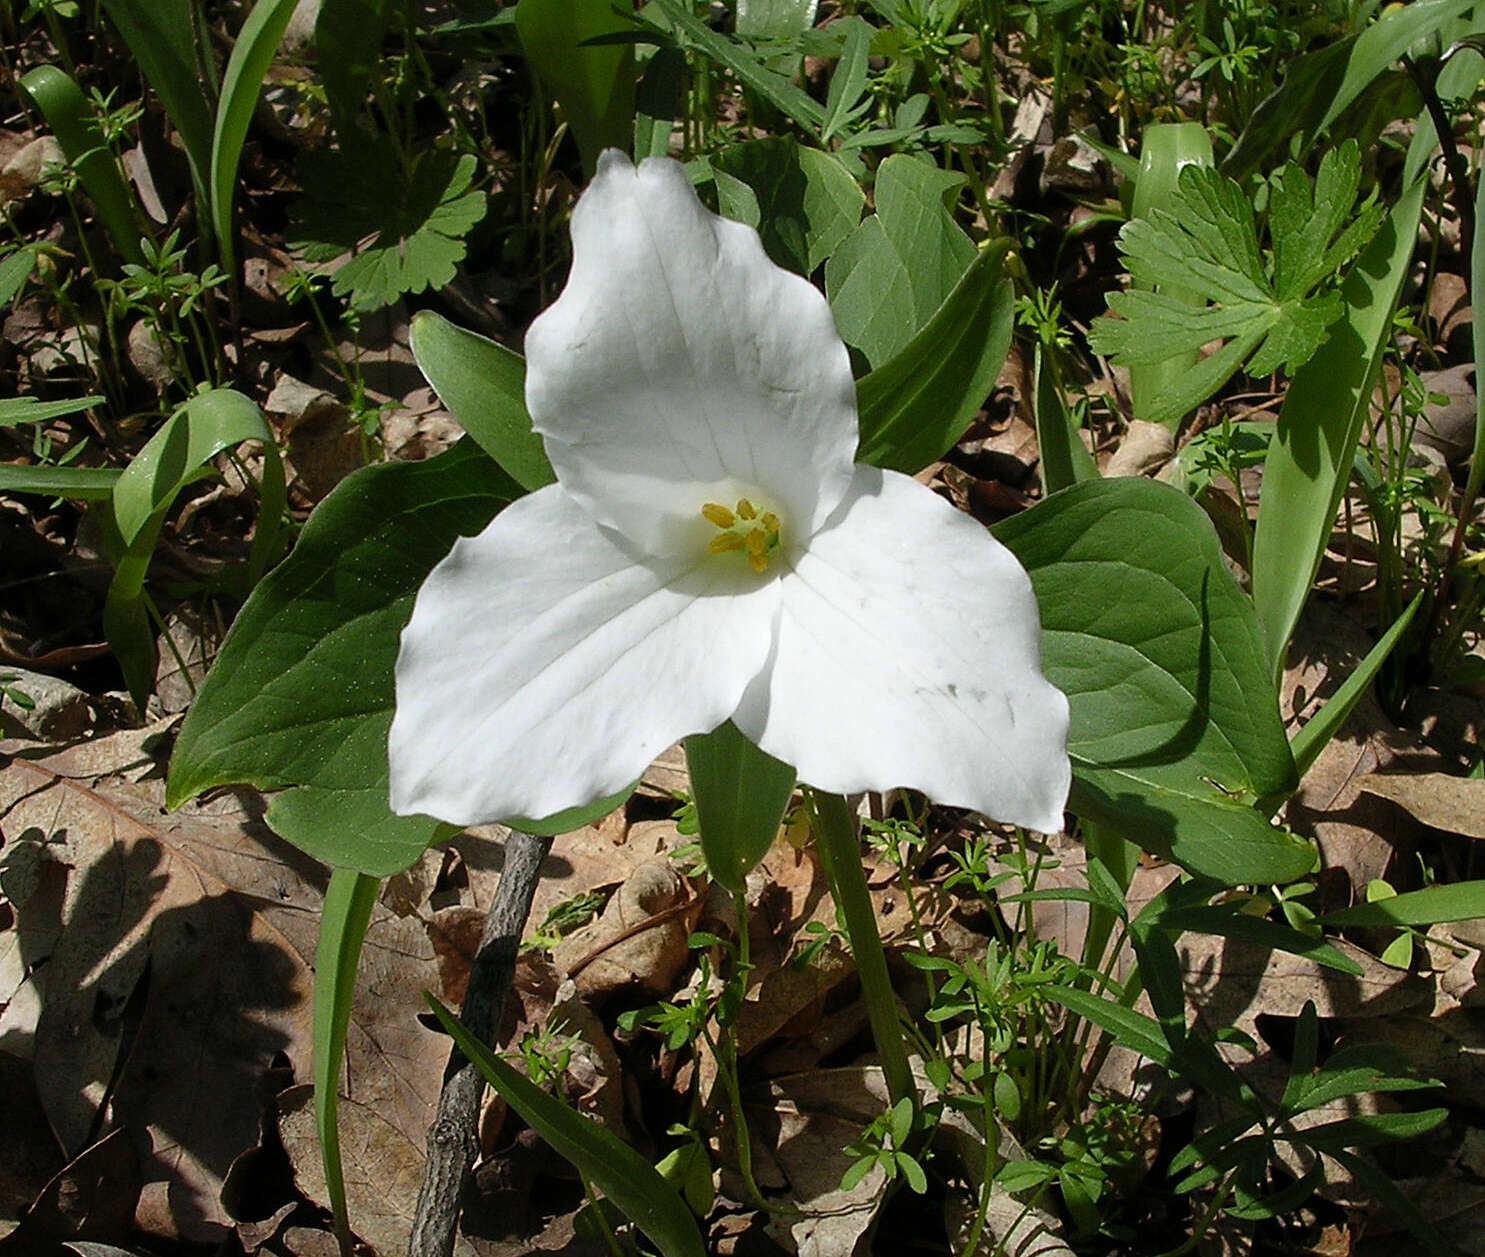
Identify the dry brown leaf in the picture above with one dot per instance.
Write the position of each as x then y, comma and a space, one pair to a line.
383, 1169
29, 1155
159, 975
91, 1198
1453, 804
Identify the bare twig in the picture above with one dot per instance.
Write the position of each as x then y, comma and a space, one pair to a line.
453, 1138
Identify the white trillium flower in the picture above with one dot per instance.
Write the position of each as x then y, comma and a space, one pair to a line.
712, 552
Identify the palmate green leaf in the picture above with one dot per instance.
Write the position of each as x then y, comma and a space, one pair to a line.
407, 228
1175, 722
302, 692
897, 268
1266, 308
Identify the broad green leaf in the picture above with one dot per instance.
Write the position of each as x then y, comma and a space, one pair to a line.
76, 127
803, 202
1266, 309
348, 42
242, 82
352, 828
1320, 86
302, 691
1174, 717
15, 269
774, 19
740, 793
18, 410
690, 32
594, 83
1166, 149
918, 403
897, 268
168, 38
349, 899
1309, 459
483, 386
179, 453
657, 103
416, 220
613, 1167
1433, 905
83, 484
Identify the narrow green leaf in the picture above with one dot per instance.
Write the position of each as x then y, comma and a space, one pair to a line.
1133, 1030
1386, 1193
18, 410
72, 121
1317, 732
848, 81
303, 690
1063, 458
689, 31
162, 36
740, 793
919, 402
657, 103
82, 484
1433, 905
15, 269
483, 386
349, 899
1228, 921
774, 19
615, 1168
242, 81
1309, 457
594, 83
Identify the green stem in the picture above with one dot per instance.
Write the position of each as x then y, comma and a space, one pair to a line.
840, 854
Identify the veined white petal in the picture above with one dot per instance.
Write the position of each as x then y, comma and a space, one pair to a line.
680, 363
544, 667
908, 655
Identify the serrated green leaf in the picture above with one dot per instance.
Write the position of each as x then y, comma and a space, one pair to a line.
1266, 309
302, 691
1163, 664
416, 221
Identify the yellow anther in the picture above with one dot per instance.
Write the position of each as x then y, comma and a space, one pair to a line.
758, 562
770, 521
757, 545
724, 542
720, 516
746, 509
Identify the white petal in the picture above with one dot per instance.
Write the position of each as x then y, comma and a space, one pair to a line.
544, 668
679, 360
908, 655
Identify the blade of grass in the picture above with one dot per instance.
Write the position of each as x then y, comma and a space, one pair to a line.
252, 54
348, 902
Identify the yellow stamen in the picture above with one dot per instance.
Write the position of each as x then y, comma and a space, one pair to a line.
724, 542
720, 516
770, 521
746, 509
758, 562
757, 545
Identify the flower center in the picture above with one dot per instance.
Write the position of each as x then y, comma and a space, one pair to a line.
744, 528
